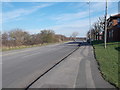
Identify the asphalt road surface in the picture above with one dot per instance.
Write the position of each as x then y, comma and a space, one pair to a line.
79, 70
21, 67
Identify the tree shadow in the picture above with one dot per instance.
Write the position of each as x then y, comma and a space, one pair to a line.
97, 42
74, 43
79, 43
118, 48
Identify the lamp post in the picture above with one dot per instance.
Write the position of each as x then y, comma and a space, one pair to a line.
105, 33
90, 22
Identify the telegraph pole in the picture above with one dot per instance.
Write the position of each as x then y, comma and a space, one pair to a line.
105, 33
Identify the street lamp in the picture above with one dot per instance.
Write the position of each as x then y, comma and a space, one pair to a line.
89, 21
105, 34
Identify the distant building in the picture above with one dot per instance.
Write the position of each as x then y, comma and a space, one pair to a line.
113, 32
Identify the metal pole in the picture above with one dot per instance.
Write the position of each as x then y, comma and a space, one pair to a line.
90, 22
105, 33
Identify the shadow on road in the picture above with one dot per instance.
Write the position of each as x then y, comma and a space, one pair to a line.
78, 43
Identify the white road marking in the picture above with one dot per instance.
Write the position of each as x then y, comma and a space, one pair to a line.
89, 79
31, 55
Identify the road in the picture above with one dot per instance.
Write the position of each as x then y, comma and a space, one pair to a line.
79, 70
21, 67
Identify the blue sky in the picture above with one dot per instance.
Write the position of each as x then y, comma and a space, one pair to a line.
62, 17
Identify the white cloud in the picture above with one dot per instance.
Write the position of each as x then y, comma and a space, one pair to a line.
95, 8
81, 26
70, 22
15, 14
67, 22
71, 16
67, 28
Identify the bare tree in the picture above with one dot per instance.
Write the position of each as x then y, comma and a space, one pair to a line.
5, 37
97, 27
18, 35
74, 34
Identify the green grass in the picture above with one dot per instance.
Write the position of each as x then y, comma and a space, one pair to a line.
108, 60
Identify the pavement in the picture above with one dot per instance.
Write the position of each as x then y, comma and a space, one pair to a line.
79, 70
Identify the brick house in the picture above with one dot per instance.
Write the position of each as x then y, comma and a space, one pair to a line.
113, 32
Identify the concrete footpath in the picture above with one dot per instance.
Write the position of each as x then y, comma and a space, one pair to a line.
79, 70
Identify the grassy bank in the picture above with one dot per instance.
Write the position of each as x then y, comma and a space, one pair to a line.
108, 60
23, 46
18, 47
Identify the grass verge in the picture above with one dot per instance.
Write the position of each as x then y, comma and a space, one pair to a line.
108, 60
23, 46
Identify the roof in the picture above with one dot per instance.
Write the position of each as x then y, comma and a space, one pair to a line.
114, 17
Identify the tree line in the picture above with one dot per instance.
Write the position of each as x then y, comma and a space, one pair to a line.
19, 37
97, 28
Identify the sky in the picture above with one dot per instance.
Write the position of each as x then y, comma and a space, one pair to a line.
62, 17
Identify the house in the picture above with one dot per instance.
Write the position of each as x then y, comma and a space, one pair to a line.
113, 32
